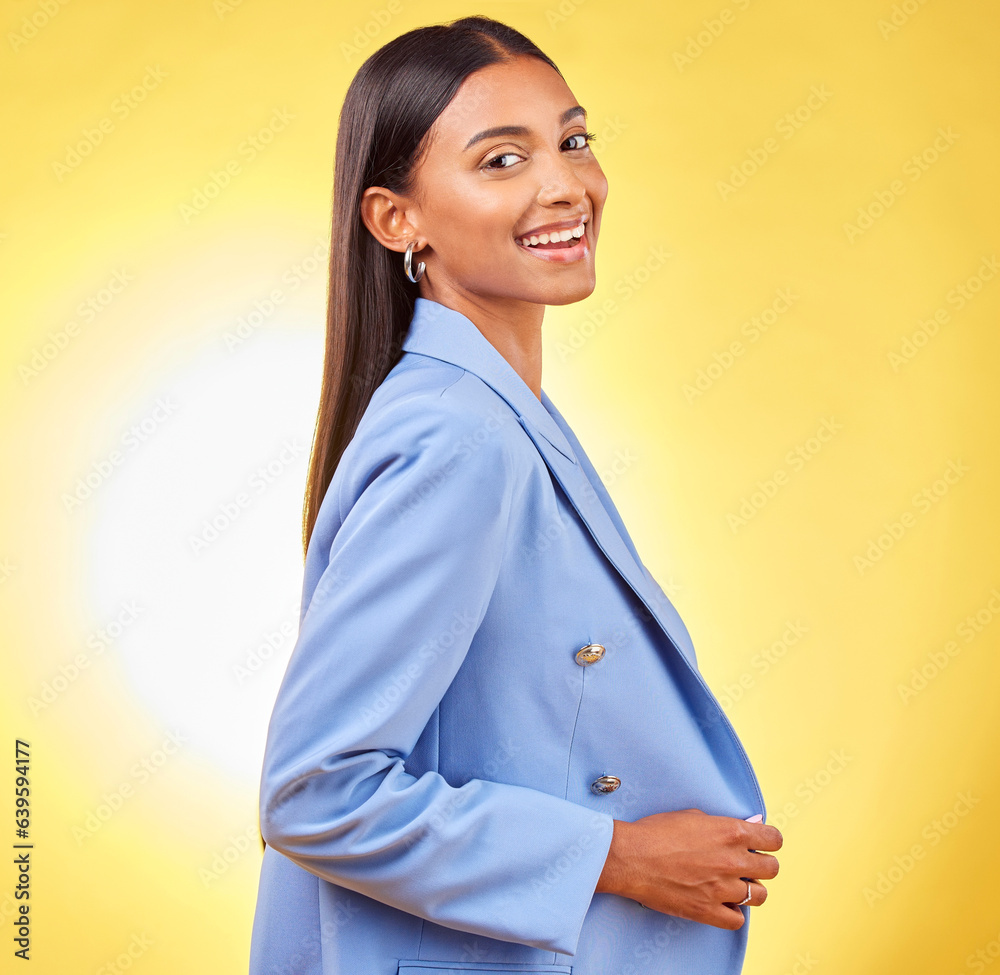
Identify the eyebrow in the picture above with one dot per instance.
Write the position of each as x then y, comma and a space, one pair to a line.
520, 129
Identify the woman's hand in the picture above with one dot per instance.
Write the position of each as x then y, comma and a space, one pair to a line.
690, 864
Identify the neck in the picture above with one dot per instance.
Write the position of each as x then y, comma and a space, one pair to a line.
513, 327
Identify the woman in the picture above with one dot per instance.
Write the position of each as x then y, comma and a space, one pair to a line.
492, 749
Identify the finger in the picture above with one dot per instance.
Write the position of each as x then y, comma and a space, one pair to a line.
752, 864
728, 916
753, 889
763, 836
742, 893
762, 865
722, 916
758, 892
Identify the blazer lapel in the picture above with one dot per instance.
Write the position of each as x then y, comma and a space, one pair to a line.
446, 334
584, 497
593, 476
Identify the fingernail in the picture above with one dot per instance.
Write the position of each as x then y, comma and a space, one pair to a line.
755, 819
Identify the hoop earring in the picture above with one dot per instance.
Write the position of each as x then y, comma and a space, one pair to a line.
408, 263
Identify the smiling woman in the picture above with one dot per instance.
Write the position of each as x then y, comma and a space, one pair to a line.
492, 749
526, 83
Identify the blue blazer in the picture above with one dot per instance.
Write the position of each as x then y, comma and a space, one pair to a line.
443, 763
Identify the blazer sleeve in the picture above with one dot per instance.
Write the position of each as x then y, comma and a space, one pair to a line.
425, 493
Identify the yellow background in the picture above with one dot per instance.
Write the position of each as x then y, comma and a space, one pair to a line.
855, 775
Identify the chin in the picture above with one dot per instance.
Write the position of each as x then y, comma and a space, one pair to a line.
570, 293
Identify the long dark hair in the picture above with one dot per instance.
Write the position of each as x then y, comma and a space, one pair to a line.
390, 105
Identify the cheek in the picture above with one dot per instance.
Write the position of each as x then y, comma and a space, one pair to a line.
598, 187
469, 228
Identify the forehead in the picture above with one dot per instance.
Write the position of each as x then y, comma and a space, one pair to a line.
525, 91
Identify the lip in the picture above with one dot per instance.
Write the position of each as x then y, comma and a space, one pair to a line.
561, 225
564, 255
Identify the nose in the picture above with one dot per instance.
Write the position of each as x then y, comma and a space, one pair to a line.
561, 182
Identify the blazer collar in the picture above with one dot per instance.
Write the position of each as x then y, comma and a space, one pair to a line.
444, 333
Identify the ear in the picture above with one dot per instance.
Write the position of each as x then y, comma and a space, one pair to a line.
386, 215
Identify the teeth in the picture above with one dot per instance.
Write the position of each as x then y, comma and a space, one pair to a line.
559, 235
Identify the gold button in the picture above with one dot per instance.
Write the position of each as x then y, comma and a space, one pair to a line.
589, 654
604, 784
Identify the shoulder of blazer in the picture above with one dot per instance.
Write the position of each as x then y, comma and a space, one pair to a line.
427, 412
422, 391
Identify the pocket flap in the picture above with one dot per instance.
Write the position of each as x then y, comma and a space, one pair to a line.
419, 967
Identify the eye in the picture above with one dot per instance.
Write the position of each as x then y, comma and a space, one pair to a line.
502, 155
588, 137
497, 161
